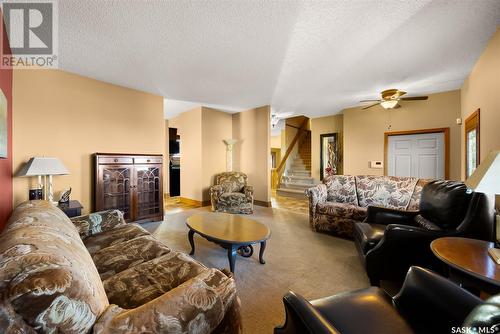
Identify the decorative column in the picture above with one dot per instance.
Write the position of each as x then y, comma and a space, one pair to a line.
229, 153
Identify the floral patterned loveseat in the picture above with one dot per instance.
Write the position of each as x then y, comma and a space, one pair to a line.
231, 193
342, 200
98, 274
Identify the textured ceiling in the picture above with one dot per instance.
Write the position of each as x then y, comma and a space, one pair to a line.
307, 57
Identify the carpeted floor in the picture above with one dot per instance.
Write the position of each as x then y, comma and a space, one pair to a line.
311, 264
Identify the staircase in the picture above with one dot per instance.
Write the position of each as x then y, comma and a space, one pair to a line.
298, 177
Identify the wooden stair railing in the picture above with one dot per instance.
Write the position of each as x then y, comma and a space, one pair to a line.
278, 172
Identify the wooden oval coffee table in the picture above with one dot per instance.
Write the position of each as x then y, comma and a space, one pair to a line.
232, 232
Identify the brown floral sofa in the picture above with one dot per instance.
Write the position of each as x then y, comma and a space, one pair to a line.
102, 275
342, 200
231, 193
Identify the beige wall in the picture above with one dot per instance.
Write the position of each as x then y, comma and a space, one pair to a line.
252, 153
276, 141
319, 126
71, 117
364, 130
188, 125
203, 152
216, 126
481, 90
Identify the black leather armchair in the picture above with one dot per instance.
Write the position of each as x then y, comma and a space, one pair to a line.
427, 303
390, 241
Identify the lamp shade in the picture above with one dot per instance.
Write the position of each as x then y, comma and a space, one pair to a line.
43, 166
230, 141
486, 177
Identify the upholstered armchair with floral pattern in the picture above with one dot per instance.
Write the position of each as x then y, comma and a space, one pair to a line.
231, 193
342, 200
98, 274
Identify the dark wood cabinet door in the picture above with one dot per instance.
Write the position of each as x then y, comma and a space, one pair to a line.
148, 191
115, 188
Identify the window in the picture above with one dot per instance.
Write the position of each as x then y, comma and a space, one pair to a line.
471, 143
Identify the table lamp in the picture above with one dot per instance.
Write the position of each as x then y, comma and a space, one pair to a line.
42, 166
486, 179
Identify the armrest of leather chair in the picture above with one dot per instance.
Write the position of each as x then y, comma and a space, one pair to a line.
302, 317
401, 247
386, 216
429, 298
98, 222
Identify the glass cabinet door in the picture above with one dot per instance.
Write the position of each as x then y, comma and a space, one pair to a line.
116, 188
148, 191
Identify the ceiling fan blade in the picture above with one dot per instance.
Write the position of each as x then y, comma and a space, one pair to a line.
369, 101
373, 105
415, 98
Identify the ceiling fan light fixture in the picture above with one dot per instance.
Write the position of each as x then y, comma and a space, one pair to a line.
389, 104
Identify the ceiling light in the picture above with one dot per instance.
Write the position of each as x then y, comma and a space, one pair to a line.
389, 104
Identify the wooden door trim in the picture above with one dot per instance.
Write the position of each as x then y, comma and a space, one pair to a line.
445, 131
476, 125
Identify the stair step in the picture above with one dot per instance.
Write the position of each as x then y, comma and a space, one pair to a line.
303, 174
295, 185
301, 179
291, 193
300, 168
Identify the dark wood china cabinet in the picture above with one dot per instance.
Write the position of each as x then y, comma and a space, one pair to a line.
132, 183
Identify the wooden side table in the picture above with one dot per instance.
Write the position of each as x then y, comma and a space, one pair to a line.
469, 263
71, 209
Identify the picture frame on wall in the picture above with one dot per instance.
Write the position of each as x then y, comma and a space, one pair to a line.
329, 155
3, 126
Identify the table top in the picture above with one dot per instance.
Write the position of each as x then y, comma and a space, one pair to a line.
228, 228
468, 255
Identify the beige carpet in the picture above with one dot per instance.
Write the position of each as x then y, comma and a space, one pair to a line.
311, 264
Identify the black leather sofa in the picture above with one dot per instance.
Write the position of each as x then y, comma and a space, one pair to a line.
427, 303
390, 241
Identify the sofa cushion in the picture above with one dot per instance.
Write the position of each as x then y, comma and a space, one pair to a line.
388, 191
231, 182
119, 234
341, 189
48, 280
345, 211
368, 235
142, 283
233, 199
122, 255
98, 222
414, 204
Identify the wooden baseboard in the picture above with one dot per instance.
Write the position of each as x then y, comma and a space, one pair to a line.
189, 201
262, 203
194, 202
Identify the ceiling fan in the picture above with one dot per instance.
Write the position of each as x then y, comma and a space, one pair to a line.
391, 98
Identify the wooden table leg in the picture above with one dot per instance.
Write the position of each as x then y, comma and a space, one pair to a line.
261, 252
191, 241
232, 251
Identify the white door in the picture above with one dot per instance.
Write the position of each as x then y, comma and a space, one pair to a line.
420, 155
